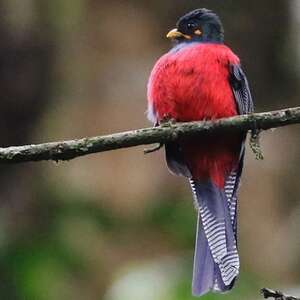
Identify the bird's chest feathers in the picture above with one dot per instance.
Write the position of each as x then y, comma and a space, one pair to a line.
193, 84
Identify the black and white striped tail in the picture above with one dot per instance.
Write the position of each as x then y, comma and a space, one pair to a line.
216, 261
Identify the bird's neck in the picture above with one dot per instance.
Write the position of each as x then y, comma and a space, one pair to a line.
181, 45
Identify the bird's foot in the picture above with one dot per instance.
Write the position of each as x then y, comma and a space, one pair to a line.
156, 147
153, 149
167, 121
255, 146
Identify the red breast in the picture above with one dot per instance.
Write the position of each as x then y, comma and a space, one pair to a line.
191, 82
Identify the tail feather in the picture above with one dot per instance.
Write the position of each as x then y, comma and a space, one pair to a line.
204, 267
231, 187
216, 263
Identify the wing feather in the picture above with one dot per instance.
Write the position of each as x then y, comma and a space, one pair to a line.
244, 102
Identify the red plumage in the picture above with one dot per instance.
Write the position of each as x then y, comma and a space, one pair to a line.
189, 83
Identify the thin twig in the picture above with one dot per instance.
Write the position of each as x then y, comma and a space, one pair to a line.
66, 150
277, 295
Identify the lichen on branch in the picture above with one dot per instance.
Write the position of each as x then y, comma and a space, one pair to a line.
277, 295
66, 150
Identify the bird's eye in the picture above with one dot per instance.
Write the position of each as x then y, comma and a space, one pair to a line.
191, 25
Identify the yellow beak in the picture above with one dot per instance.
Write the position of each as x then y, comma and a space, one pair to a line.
174, 33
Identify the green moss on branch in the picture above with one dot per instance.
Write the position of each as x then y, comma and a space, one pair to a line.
66, 150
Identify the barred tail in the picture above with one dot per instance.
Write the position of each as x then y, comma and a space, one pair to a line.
204, 266
216, 261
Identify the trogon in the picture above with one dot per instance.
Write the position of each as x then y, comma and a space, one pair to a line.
200, 78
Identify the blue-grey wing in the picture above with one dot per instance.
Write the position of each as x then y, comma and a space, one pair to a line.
244, 103
241, 90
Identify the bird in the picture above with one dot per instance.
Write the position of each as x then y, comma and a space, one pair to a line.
201, 78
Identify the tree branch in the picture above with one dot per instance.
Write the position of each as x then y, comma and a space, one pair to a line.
66, 150
277, 295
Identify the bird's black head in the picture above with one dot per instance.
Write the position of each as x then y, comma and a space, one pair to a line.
200, 25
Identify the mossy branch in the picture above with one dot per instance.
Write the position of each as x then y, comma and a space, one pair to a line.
66, 150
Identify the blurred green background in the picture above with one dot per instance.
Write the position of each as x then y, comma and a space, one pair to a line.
117, 225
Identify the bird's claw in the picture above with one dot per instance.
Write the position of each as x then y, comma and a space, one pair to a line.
153, 149
167, 121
